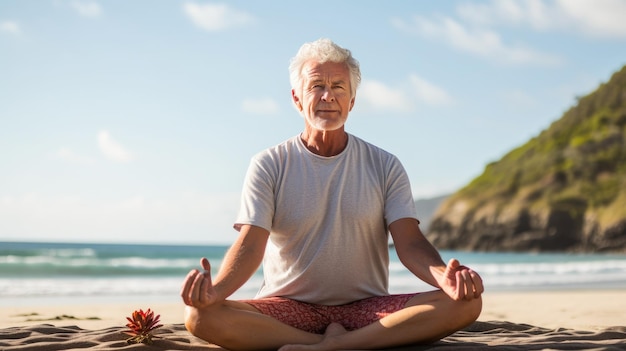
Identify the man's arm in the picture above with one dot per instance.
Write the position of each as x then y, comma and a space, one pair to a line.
241, 260
423, 260
239, 264
415, 251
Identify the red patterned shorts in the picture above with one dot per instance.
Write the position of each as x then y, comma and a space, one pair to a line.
315, 318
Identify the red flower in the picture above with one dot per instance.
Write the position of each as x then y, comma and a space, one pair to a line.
141, 327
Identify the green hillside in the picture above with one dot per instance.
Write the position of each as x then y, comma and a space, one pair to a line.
576, 166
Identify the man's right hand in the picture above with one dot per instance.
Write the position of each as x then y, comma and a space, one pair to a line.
197, 290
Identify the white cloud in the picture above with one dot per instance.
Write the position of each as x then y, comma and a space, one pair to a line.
69, 155
605, 18
378, 95
600, 18
10, 27
477, 41
112, 149
216, 17
511, 12
264, 106
428, 92
90, 9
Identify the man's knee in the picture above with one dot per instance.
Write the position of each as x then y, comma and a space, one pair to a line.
471, 310
466, 312
201, 324
193, 320
214, 325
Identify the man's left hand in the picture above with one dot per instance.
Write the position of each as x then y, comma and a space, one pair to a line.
460, 282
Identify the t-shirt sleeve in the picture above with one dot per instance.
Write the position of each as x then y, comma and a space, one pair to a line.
399, 201
257, 196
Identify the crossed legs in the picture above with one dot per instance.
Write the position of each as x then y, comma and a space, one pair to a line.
427, 317
238, 326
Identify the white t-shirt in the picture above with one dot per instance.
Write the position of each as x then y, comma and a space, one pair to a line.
327, 218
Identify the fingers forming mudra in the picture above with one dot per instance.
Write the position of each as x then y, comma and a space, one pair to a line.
197, 285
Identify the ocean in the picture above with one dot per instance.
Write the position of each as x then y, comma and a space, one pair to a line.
45, 273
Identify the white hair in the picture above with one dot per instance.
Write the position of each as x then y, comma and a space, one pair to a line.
324, 50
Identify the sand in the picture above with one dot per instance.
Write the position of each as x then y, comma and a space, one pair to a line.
556, 320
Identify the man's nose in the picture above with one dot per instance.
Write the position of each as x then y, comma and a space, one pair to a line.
328, 95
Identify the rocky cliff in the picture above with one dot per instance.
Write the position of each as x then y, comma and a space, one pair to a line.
564, 190
426, 209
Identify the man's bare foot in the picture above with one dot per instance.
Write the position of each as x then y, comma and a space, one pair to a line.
334, 329
327, 344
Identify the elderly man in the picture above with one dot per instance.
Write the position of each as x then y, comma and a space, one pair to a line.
317, 210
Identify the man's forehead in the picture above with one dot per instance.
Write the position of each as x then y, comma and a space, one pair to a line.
317, 70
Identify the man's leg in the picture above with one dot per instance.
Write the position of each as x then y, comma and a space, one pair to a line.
239, 326
427, 317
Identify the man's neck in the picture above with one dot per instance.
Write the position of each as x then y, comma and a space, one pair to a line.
325, 143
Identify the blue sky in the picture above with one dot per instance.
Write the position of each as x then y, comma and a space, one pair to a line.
134, 121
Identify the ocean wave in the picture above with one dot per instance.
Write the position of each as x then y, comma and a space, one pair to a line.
611, 266
530, 275
60, 270
541, 268
93, 266
125, 286
84, 252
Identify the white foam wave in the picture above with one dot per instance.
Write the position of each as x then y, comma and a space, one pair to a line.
129, 262
543, 268
83, 252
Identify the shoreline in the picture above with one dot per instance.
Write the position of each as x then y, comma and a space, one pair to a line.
579, 309
553, 309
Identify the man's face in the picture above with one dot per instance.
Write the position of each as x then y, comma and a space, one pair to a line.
324, 99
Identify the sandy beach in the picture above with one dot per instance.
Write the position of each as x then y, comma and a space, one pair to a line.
584, 310
593, 317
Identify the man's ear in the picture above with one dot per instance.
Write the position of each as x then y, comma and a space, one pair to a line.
296, 100
352, 103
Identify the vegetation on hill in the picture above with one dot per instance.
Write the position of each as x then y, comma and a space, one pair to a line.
576, 166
